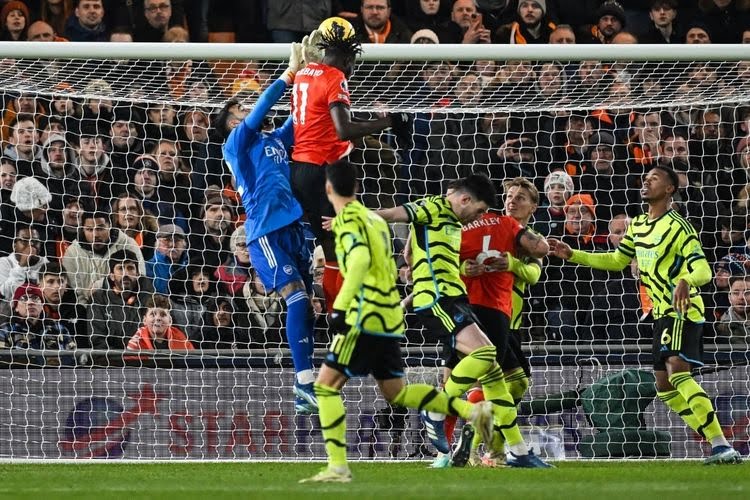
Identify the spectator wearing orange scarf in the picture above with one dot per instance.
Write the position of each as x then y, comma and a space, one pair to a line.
157, 331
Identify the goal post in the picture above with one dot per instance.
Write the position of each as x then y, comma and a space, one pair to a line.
582, 122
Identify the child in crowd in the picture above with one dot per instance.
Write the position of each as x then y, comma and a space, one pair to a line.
157, 331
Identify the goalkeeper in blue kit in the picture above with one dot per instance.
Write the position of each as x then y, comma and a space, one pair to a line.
278, 250
369, 324
672, 266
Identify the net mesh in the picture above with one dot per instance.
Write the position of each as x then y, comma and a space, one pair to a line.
78, 394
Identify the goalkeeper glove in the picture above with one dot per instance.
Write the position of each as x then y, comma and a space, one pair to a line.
295, 62
310, 50
337, 321
401, 125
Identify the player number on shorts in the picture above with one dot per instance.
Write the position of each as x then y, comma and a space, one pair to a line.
666, 338
336, 343
299, 97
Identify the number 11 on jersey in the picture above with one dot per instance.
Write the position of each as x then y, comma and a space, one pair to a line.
299, 100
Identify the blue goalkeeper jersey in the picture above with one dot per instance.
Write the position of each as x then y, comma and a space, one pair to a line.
260, 165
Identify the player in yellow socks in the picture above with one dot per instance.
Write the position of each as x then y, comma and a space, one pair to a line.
369, 324
672, 266
441, 304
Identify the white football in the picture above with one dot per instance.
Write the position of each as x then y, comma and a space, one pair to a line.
489, 254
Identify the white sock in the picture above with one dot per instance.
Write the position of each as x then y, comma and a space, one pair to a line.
518, 449
719, 441
305, 377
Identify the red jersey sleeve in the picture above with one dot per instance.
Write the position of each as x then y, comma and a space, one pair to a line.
338, 89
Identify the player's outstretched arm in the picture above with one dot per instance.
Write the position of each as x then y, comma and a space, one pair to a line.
347, 129
605, 261
273, 93
395, 214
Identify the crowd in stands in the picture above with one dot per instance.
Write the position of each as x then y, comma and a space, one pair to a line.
120, 228
379, 21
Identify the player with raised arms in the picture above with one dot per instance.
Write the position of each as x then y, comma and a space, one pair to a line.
324, 128
672, 266
369, 324
441, 304
278, 251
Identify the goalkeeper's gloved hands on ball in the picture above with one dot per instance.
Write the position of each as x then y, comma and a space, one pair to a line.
310, 50
295, 62
337, 321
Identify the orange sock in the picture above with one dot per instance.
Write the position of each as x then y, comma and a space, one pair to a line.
475, 395
450, 427
332, 280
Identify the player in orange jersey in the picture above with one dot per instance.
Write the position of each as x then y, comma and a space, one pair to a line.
497, 253
323, 131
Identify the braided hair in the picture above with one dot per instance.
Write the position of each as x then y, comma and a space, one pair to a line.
335, 41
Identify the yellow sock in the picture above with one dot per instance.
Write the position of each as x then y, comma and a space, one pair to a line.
426, 397
470, 369
674, 400
699, 403
332, 423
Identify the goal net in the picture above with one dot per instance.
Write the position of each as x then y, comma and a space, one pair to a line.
106, 148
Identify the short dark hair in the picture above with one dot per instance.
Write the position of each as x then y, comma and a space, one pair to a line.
741, 277
7, 160
674, 179
23, 226
51, 267
342, 177
121, 257
158, 300
22, 117
670, 4
479, 186
95, 214
222, 118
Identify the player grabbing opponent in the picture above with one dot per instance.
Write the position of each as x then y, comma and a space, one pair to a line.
439, 299
278, 251
500, 255
323, 130
369, 322
672, 266
488, 268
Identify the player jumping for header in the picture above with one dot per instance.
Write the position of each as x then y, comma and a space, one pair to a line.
278, 250
323, 131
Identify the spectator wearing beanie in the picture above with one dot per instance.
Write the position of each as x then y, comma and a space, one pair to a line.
531, 26
425, 36
549, 218
29, 329
32, 200
14, 21
697, 32
610, 20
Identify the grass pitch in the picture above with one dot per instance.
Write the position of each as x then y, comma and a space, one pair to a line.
642, 480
